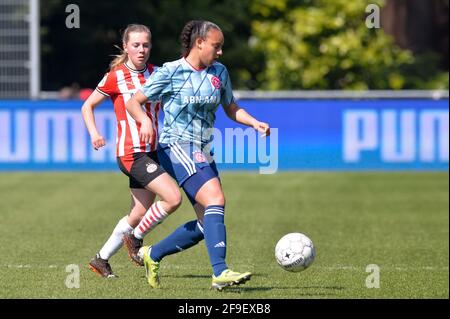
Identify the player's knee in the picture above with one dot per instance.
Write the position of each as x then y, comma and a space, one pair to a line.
173, 201
216, 198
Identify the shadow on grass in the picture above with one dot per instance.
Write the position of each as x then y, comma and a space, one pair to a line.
189, 276
298, 291
200, 276
316, 287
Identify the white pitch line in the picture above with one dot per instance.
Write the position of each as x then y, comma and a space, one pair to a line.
398, 268
168, 266
28, 266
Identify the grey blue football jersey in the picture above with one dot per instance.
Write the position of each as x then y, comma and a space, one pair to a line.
189, 99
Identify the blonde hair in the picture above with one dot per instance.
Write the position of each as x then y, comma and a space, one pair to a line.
122, 58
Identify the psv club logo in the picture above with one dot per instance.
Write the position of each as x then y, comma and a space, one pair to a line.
151, 168
199, 157
215, 81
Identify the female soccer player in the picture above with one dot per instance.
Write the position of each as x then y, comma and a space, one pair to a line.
137, 159
191, 90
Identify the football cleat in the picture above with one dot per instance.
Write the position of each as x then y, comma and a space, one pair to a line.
151, 268
101, 267
229, 278
133, 244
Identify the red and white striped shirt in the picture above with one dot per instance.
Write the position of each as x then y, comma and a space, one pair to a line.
120, 84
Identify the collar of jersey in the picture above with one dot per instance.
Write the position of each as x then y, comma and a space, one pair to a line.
192, 67
136, 71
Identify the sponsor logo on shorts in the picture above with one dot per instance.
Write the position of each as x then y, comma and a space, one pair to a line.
151, 168
199, 157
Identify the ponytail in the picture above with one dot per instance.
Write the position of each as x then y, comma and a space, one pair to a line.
119, 59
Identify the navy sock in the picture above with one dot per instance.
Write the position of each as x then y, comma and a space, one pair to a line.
215, 237
184, 237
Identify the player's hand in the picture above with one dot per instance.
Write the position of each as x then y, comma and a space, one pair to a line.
262, 127
97, 141
146, 133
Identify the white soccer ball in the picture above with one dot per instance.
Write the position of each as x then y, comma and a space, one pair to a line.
295, 252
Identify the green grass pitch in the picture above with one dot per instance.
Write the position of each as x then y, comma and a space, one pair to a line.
397, 221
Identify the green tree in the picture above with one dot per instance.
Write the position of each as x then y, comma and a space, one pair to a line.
315, 44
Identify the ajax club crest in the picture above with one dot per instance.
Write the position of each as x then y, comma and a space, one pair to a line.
199, 157
215, 81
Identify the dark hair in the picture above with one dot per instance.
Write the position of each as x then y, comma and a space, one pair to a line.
193, 30
125, 37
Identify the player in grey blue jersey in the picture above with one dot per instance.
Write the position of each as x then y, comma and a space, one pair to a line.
191, 90
190, 98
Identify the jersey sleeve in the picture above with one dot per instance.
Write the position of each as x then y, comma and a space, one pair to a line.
157, 84
108, 85
226, 94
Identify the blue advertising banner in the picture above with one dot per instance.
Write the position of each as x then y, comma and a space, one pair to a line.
378, 134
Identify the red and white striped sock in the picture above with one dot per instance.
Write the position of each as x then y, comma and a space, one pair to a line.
154, 216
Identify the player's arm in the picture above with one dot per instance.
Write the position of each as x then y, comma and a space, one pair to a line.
133, 107
241, 116
87, 111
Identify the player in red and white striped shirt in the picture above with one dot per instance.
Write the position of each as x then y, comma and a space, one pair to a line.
120, 84
136, 159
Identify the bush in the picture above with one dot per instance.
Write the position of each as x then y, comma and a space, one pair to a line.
327, 45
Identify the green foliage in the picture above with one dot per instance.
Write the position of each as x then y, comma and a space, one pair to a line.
82, 55
269, 44
326, 45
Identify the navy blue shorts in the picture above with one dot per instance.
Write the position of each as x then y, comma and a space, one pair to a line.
188, 165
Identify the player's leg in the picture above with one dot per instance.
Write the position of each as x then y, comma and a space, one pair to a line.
147, 171
210, 195
191, 172
141, 199
177, 163
184, 237
170, 200
196, 172
205, 187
